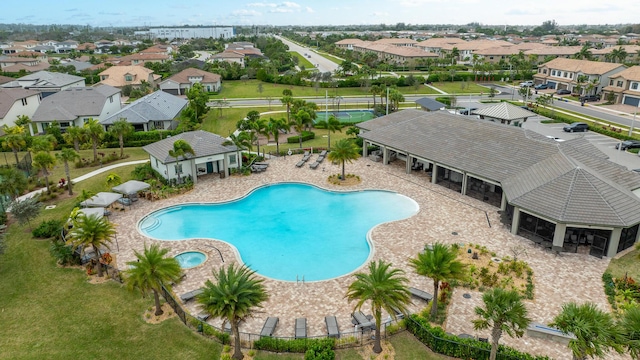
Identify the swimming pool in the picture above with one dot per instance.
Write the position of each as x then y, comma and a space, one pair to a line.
288, 231
190, 259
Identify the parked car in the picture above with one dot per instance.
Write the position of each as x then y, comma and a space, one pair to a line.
628, 144
576, 127
467, 111
588, 98
563, 92
526, 83
541, 87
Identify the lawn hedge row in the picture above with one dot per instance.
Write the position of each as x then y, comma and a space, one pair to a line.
292, 345
306, 135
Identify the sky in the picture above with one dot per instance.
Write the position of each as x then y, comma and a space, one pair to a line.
318, 12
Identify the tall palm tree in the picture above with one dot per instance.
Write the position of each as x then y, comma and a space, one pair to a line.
151, 271
12, 182
242, 141
344, 151
45, 162
385, 288
42, 143
274, 126
595, 330
234, 296
121, 128
180, 149
75, 135
503, 311
67, 155
287, 100
395, 97
332, 125
440, 263
630, 324
299, 122
375, 90
258, 127
91, 231
14, 139
95, 132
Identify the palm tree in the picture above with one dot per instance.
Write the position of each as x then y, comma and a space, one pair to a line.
121, 128
595, 330
14, 139
75, 135
385, 288
152, 270
395, 97
91, 231
299, 122
274, 126
180, 149
375, 90
45, 162
344, 151
332, 125
242, 141
503, 312
258, 127
630, 325
440, 263
13, 182
95, 132
66, 155
619, 55
287, 99
236, 293
42, 143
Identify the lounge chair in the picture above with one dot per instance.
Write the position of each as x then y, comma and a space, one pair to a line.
269, 326
362, 321
398, 314
203, 316
332, 326
314, 165
301, 328
190, 295
306, 156
300, 163
323, 153
421, 294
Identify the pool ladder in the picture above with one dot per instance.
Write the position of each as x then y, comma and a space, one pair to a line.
297, 280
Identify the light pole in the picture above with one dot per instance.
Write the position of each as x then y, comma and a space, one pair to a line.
387, 100
633, 122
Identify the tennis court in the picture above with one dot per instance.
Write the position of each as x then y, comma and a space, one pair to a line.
349, 117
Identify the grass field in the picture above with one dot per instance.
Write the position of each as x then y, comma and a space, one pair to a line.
627, 264
302, 61
460, 87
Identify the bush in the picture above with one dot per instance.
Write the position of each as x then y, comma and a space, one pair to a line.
293, 345
62, 252
320, 351
209, 330
47, 229
306, 135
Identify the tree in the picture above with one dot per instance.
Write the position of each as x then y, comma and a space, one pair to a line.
274, 126
25, 210
385, 288
440, 263
42, 143
75, 135
344, 151
121, 128
152, 270
619, 55
287, 100
503, 311
395, 97
65, 156
12, 182
91, 231
14, 139
45, 162
375, 90
242, 141
595, 330
630, 324
332, 125
95, 132
198, 99
299, 122
180, 149
234, 296
112, 180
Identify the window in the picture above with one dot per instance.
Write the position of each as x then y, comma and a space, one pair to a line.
619, 83
634, 86
232, 159
24, 102
553, 72
570, 75
178, 168
156, 162
128, 78
159, 125
611, 82
111, 99
544, 71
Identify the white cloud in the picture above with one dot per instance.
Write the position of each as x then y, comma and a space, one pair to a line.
310, 10
245, 12
272, 5
290, 4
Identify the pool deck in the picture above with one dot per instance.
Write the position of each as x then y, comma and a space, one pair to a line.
558, 279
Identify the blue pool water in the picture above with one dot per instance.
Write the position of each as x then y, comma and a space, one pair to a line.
289, 230
190, 259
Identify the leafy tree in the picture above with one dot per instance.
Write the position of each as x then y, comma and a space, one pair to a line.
332, 125
152, 270
45, 162
67, 155
503, 311
344, 151
25, 210
595, 330
12, 182
180, 149
395, 98
234, 296
14, 139
440, 263
353, 131
95, 132
113, 179
385, 288
93, 232
198, 99
121, 128
630, 324
75, 135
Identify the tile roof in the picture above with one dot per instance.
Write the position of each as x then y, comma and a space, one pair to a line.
203, 143
582, 66
505, 111
73, 103
157, 106
46, 79
9, 96
183, 76
632, 73
430, 104
116, 75
568, 182
5, 79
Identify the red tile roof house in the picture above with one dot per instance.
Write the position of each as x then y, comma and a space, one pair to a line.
562, 73
625, 86
181, 82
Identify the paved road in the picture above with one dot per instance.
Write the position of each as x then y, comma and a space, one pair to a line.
322, 64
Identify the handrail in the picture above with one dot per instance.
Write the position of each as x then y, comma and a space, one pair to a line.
218, 250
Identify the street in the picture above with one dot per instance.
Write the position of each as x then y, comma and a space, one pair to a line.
323, 64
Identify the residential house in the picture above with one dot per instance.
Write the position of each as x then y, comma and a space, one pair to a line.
468, 48
398, 51
73, 107
47, 82
66, 46
228, 56
605, 54
579, 76
156, 111
561, 195
435, 45
143, 58
625, 87
5, 79
181, 82
119, 76
212, 156
17, 102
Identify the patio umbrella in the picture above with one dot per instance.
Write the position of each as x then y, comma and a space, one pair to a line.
101, 199
131, 187
99, 211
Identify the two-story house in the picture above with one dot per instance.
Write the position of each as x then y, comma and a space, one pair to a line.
583, 77
73, 107
181, 82
47, 82
17, 102
119, 76
625, 87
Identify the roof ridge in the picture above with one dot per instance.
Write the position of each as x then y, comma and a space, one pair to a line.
613, 210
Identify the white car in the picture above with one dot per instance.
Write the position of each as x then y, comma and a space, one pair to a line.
526, 83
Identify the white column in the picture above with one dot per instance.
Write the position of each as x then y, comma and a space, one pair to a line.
408, 164
385, 156
434, 173
503, 202
365, 151
515, 221
558, 236
465, 178
612, 249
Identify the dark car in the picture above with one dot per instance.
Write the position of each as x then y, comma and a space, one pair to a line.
541, 87
467, 111
563, 92
576, 127
588, 98
628, 144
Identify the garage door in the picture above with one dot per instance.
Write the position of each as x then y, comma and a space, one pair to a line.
171, 91
628, 100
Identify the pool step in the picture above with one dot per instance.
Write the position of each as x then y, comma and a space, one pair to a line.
150, 224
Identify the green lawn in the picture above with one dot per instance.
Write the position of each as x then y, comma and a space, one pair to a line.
331, 57
407, 347
627, 264
263, 355
302, 61
456, 87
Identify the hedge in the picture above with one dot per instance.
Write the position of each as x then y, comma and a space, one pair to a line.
450, 345
306, 135
292, 345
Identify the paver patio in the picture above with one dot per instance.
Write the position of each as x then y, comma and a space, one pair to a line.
558, 279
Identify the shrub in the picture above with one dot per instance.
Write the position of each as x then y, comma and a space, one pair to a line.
320, 351
209, 330
306, 135
47, 229
293, 345
62, 252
